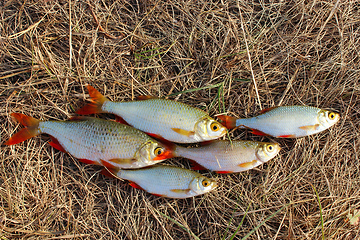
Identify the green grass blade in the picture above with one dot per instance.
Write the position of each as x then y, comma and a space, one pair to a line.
321, 215
262, 223
195, 89
179, 224
242, 220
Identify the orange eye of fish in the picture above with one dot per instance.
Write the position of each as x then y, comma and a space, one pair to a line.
205, 183
158, 151
332, 116
215, 127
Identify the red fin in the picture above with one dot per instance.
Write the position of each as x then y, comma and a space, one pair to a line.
260, 133
224, 172
227, 121
120, 120
156, 194
97, 100
135, 185
286, 136
145, 97
267, 109
87, 161
55, 144
30, 131
108, 165
157, 136
108, 173
196, 166
79, 118
205, 143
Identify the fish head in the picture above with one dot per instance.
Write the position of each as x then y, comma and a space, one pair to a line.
267, 151
328, 118
152, 151
202, 184
209, 129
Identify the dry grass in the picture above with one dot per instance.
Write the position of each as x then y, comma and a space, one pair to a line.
301, 52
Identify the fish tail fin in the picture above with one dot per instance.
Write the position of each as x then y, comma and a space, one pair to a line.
227, 121
31, 130
97, 101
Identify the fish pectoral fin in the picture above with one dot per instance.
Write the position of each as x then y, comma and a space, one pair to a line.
185, 191
247, 164
123, 160
310, 127
183, 132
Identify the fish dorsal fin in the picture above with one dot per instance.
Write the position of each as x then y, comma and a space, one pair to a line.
145, 97
79, 118
268, 109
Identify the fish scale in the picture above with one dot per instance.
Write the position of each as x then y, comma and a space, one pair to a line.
91, 139
94, 140
229, 156
162, 118
286, 121
162, 115
167, 181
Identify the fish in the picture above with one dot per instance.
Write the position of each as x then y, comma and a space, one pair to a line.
165, 181
224, 156
160, 118
93, 140
285, 121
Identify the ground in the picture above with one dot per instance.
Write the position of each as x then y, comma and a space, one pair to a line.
227, 57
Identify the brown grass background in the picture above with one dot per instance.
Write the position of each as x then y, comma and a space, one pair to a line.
234, 57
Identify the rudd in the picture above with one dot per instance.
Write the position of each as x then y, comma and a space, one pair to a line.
286, 121
92, 140
166, 181
229, 156
161, 118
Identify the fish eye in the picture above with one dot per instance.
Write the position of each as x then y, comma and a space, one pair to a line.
270, 148
332, 115
205, 183
214, 126
158, 151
